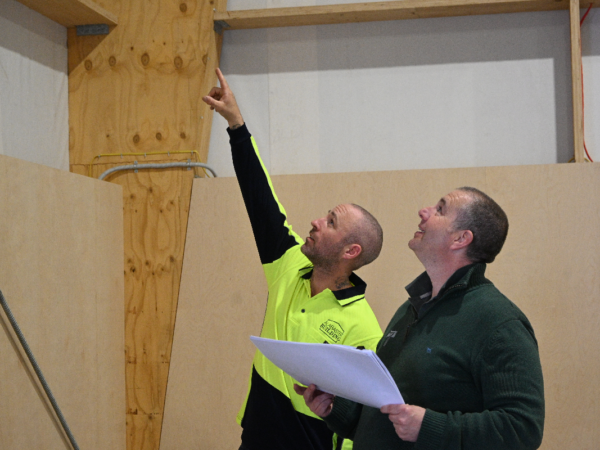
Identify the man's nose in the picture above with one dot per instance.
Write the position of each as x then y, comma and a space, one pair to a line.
315, 223
424, 213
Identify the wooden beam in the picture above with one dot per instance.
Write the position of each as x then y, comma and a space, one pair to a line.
139, 91
577, 87
71, 13
379, 11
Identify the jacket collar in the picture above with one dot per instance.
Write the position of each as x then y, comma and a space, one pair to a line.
343, 296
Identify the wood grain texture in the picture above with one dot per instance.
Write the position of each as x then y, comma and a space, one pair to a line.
155, 215
549, 268
80, 47
71, 13
61, 274
139, 91
381, 11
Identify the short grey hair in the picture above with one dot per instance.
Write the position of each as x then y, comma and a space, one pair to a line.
488, 223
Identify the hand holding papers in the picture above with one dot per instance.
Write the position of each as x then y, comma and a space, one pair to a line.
358, 375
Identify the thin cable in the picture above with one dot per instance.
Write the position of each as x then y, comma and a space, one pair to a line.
582, 96
155, 166
585, 15
38, 371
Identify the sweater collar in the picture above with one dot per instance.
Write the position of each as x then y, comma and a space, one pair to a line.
466, 277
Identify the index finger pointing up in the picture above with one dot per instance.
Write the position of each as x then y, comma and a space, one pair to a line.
221, 78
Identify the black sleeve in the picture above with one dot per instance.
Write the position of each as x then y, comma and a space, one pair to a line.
272, 233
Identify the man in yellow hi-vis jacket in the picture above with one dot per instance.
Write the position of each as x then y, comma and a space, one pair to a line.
314, 296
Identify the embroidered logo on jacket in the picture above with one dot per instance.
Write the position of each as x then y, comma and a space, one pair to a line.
332, 329
391, 334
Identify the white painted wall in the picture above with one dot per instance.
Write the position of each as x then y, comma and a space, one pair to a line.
448, 92
431, 93
34, 120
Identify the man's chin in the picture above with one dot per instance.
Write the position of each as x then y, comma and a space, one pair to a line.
413, 244
307, 251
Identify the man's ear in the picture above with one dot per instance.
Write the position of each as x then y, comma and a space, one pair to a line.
462, 239
352, 251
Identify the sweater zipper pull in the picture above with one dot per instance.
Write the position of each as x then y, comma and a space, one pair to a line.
408, 329
410, 325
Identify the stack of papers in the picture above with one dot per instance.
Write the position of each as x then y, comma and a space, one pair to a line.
358, 375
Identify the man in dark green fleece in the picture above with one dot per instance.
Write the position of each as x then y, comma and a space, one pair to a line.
464, 357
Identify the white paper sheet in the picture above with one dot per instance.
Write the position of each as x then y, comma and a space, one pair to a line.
357, 375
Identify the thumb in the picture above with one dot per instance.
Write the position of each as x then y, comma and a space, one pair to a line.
392, 409
210, 101
299, 389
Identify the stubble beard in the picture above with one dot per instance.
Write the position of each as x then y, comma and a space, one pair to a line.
325, 260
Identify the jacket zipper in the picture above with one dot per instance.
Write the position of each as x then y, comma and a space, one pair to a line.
411, 324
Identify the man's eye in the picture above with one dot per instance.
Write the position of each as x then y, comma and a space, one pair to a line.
439, 209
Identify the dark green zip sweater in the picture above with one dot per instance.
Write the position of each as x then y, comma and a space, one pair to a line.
470, 358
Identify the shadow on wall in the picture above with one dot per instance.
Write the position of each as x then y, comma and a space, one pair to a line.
33, 36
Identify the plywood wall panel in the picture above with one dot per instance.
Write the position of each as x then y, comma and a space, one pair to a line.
548, 267
61, 273
554, 244
220, 301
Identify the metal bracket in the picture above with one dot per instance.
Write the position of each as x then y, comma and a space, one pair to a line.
92, 30
220, 25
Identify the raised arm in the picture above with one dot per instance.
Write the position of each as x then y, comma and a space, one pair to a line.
267, 216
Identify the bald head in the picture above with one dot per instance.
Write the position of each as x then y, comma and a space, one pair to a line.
367, 233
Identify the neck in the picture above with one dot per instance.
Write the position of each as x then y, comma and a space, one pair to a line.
332, 279
439, 274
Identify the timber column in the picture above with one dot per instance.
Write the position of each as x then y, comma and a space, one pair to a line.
136, 95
